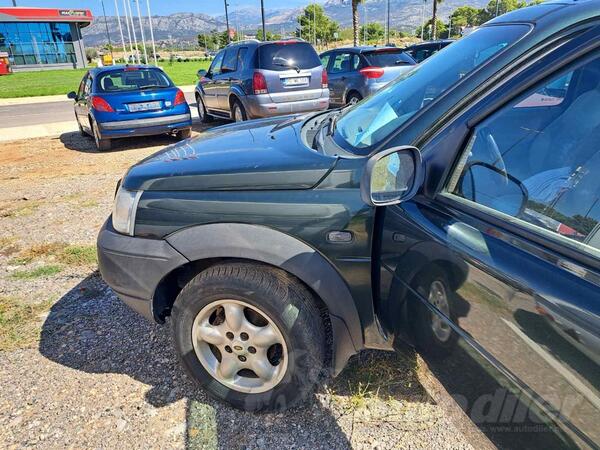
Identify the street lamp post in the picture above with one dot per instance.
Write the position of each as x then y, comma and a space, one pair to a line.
227, 23
262, 13
387, 37
423, 18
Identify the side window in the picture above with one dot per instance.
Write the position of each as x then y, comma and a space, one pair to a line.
82, 86
88, 86
325, 60
241, 58
215, 67
341, 63
538, 159
355, 62
230, 60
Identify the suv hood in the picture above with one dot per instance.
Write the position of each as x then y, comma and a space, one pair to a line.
262, 154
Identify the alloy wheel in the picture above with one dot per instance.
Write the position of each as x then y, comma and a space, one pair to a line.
439, 298
240, 346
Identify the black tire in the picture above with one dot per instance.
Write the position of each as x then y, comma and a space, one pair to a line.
238, 113
353, 97
202, 112
184, 134
102, 144
273, 292
426, 339
81, 130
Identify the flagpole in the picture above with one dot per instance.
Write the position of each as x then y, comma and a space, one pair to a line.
137, 4
120, 28
128, 29
151, 32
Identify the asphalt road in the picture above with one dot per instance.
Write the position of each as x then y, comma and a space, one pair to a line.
43, 113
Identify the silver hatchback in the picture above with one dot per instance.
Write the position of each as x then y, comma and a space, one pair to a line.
357, 72
253, 79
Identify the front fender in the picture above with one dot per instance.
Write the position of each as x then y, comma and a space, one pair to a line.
259, 243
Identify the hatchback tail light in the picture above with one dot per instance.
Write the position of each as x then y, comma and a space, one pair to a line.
324, 80
372, 72
179, 98
259, 83
99, 104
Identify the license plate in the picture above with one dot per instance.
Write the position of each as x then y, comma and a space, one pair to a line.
297, 81
147, 106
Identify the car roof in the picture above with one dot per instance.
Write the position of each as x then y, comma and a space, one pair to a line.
365, 48
99, 70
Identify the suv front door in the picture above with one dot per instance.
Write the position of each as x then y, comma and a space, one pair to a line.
211, 87
499, 266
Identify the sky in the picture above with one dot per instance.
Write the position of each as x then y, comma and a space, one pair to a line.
160, 7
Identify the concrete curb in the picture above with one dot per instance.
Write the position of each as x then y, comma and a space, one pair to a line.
59, 98
35, 131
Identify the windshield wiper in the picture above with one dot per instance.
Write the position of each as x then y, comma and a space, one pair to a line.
291, 66
332, 122
151, 86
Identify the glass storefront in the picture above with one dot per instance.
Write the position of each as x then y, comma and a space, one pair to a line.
37, 43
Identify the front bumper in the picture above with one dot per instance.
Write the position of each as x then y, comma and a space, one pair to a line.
258, 106
145, 127
134, 266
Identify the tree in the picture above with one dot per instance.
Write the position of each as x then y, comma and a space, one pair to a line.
374, 31
441, 28
270, 36
434, 19
465, 16
498, 7
355, 4
314, 23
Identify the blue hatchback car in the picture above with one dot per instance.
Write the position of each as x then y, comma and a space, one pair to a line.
125, 101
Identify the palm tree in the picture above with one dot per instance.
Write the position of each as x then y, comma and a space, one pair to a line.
434, 19
355, 4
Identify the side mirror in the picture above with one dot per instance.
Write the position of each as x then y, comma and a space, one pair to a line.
392, 176
201, 73
491, 186
72, 95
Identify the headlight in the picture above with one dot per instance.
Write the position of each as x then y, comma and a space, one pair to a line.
124, 208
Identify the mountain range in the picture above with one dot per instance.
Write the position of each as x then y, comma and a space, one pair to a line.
405, 15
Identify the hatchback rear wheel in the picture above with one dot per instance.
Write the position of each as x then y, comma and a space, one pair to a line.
102, 144
251, 335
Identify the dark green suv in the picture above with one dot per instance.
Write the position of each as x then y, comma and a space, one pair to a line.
457, 209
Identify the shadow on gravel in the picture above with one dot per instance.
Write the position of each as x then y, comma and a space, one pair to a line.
91, 330
85, 144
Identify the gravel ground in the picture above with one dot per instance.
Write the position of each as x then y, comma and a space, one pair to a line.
79, 369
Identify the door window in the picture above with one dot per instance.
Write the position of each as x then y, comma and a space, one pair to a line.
82, 86
325, 60
342, 63
88, 86
538, 159
230, 60
241, 58
215, 67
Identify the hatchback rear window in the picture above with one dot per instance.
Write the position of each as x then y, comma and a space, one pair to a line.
131, 79
388, 58
287, 55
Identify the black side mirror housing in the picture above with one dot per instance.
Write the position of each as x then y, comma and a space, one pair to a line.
392, 176
72, 95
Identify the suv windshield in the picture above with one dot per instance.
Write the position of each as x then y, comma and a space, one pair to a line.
287, 55
371, 121
131, 79
388, 58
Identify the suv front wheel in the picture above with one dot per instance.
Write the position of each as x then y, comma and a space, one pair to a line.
251, 335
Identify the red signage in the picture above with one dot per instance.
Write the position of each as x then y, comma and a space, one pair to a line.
46, 14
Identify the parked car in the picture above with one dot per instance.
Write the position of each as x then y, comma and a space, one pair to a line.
252, 79
354, 73
128, 101
456, 209
423, 50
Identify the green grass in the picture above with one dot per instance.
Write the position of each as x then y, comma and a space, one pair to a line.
78, 255
20, 322
56, 82
42, 271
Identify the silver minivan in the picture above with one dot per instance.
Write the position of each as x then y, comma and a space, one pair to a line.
252, 79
